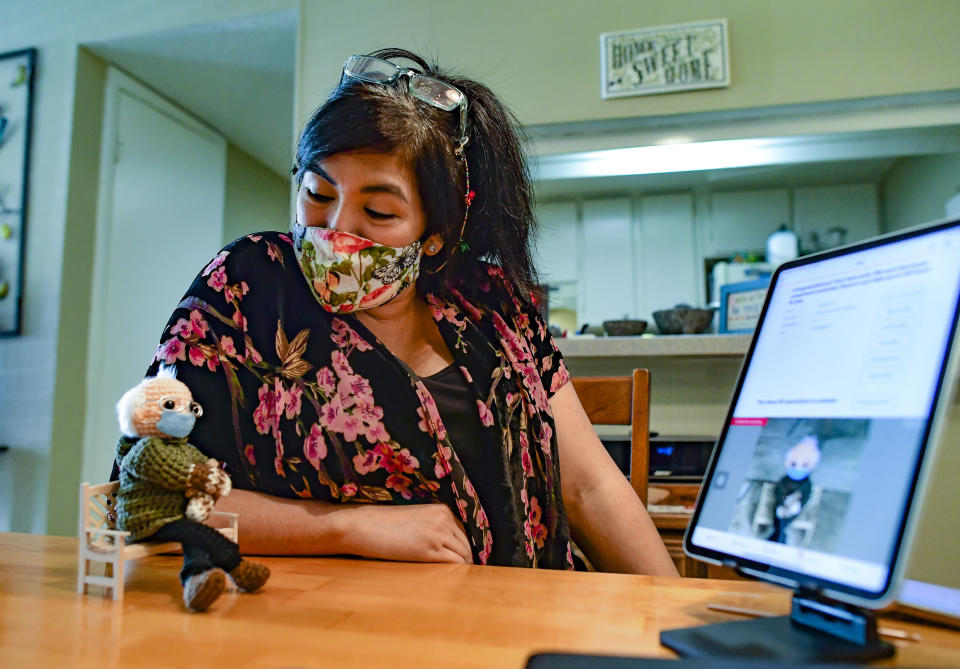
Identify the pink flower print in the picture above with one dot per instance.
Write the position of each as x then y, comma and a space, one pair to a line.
537, 530
278, 466
254, 238
326, 380
486, 417
482, 520
430, 422
218, 279
367, 462
253, 353
526, 462
350, 426
442, 465
569, 556
215, 263
181, 327
314, 446
226, 345
341, 334
171, 350
461, 507
356, 387
466, 374
546, 436
436, 307
273, 252
196, 356
340, 364
401, 461
292, 402
250, 455
240, 320
285, 238
475, 313
522, 321
560, 377
546, 363
265, 416
484, 556
515, 349
331, 413
376, 432
400, 484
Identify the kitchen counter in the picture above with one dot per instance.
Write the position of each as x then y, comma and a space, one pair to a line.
705, 345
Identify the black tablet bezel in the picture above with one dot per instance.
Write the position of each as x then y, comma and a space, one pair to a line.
780, 575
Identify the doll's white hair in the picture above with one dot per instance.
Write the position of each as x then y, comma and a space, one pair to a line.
135, 397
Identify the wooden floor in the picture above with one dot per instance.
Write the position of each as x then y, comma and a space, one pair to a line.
325, 612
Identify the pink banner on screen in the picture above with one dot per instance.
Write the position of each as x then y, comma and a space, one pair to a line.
757, 422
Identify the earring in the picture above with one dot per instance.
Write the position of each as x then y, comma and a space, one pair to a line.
433, 248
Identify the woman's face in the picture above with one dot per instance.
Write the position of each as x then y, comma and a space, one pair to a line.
371, 195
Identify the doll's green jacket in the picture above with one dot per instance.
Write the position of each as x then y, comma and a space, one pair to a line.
153, 478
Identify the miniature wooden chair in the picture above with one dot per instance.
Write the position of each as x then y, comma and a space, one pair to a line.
622, 400
101, 541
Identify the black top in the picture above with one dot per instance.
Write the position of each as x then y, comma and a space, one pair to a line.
479, 453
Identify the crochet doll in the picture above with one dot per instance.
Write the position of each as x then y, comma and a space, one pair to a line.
168, 488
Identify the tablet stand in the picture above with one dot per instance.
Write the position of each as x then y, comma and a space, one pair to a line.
817, 630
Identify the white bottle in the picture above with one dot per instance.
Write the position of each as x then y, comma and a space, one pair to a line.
782, 246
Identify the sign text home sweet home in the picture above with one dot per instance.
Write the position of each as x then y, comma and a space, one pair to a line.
664, 59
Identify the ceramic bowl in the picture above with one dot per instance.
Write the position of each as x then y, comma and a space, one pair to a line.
625, 328
683, 320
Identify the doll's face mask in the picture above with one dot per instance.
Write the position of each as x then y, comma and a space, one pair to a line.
346, 272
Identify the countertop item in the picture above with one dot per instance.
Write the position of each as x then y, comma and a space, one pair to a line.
624, 328
683, 319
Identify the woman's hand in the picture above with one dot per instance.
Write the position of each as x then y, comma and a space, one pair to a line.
414, 533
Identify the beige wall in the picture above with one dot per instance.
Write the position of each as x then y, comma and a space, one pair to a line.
916, 190
543, 56
256, 198
42, 380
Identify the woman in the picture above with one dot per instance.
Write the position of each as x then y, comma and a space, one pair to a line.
379, 382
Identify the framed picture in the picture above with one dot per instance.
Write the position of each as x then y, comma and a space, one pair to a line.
665, 59
16, 92
740, 305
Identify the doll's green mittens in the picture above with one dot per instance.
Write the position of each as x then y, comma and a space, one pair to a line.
250, 576
202, 590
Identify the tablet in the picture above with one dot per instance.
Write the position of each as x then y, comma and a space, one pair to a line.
839, 403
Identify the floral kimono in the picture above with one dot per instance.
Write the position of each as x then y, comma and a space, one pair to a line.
299, 402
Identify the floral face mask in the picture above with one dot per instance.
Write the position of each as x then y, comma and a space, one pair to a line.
347, 272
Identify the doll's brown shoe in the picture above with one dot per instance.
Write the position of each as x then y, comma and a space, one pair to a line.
250, 576
202, 590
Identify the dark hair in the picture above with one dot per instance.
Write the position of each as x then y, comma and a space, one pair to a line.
363, 116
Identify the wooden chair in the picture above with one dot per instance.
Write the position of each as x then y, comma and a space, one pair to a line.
622, 400
101, 541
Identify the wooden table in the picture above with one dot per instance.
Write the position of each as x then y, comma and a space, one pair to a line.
326, 612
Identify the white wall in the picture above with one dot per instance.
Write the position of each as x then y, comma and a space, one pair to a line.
256, 198
916, 190
41, 410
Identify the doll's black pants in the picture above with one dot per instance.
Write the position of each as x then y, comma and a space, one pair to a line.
203, 547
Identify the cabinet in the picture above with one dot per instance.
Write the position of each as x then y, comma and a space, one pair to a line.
853, 207
742, 220
607, 280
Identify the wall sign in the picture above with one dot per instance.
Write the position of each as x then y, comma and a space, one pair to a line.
664, 59
741, 304
16, 90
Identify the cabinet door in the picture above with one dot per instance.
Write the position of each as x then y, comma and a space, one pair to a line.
852, 207
666, 254
742, 220
557, 243
607, 279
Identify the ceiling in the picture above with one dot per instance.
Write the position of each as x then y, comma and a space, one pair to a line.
236, 76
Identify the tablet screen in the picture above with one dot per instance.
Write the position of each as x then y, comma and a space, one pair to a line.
814, 471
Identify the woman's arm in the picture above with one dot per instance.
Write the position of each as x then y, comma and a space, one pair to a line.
606, 517
412, 533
